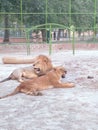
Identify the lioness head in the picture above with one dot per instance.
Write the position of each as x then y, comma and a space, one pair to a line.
42, 64
61, 71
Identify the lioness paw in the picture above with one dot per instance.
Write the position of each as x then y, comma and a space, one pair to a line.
71, 85
37, 93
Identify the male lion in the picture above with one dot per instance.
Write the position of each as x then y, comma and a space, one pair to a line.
50, 80
41, 64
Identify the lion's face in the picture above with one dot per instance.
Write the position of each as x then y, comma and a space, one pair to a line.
61, 71
41, 66
38, 67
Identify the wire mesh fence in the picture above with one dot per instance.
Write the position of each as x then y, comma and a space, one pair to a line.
65, 21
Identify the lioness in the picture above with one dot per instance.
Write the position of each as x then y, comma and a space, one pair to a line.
50, 80
41, 65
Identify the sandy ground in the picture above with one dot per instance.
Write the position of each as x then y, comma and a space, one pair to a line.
58, 109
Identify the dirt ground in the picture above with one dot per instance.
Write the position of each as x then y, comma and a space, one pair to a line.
58, 109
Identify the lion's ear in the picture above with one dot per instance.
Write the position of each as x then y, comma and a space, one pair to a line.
45, 60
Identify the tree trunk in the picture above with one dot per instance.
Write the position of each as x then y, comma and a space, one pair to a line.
68, 33
79, 33
6, 31
43, 35
58, 36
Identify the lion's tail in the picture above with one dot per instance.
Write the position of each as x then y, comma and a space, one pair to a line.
9, 78
16, 91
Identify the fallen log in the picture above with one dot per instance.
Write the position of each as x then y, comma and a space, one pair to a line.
14, 60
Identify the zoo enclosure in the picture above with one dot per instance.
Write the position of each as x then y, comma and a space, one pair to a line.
49, 21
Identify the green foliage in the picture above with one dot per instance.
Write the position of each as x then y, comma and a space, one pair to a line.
83, 14
9, 5
80, 13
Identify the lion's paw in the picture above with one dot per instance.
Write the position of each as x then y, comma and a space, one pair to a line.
71, 85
